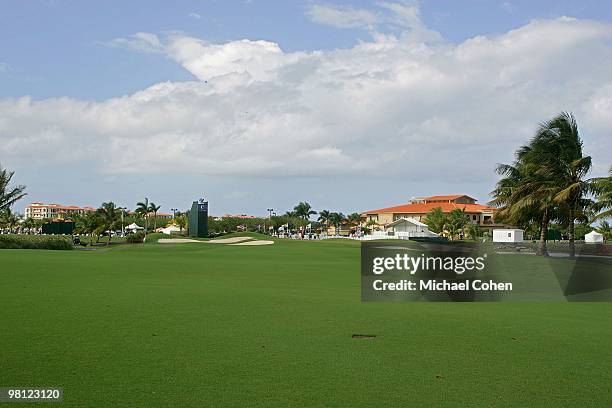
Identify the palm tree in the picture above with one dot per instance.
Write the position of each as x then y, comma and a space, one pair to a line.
603, 192
142, 209
324, 218
303, 210
336, 219
9, 195
91, 223
472, 231
605, 229
154, 209
354, 219
9, 219
530, 188
436, 220
569, 169
109, 214
456, 221
181, 221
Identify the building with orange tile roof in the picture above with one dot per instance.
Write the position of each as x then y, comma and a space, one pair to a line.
40, 211
418, 208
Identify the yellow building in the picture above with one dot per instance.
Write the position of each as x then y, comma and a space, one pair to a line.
40, 211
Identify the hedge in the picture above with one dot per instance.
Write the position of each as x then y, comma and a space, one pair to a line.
12, 241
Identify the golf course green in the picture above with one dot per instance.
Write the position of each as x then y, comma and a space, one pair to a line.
197, 325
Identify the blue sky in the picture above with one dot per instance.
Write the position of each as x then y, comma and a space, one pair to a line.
313, 112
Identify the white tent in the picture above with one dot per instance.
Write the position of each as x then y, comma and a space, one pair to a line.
408, 227
593, 237
507, 235
133, 227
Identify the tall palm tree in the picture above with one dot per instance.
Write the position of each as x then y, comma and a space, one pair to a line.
154, 209
142, 209
569, 168
545, 182
9, 195
603, 192
303, 210
324, 218
110, 215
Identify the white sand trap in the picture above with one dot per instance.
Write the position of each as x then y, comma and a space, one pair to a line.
232, 240
253, 243
176, 240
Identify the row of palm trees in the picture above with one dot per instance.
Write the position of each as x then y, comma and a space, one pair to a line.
304, 211
108, 217
547, 183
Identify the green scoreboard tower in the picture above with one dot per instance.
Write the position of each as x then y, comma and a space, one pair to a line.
198, 219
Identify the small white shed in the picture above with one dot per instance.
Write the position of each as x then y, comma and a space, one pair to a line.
593, 237
507, 235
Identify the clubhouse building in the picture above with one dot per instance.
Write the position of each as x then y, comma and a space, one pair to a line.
417, 209
40, 211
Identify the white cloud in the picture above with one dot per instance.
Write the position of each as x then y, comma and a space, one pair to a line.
195, 15
396, 106
4, 67
142, 42
404, 16
342, 16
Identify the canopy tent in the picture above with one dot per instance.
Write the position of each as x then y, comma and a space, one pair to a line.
407, 228
134, 227
593, 237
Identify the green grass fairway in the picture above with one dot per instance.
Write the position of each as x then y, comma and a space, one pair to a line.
199, 325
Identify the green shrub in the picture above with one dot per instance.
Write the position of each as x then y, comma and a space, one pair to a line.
135, 238
54, 242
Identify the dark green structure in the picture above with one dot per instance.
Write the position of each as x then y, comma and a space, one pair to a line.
198, 219
58, 228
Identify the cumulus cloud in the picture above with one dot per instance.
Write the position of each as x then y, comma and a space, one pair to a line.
394, 106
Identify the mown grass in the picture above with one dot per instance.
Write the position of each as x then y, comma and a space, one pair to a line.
213, 325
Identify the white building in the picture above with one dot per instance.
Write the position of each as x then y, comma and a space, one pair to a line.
403, 228
508, 235
594, 237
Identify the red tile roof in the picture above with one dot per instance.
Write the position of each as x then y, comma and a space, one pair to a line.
447, 197
425, 208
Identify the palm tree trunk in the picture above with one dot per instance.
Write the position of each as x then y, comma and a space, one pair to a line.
570, 232
109, 238
542, 251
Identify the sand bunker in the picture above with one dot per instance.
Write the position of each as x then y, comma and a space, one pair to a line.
176, 240
253, 243
232, 241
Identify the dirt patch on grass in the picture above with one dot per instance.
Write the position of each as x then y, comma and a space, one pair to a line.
364, 336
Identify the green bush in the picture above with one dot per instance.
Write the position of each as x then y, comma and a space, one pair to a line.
54, 242
135, 238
